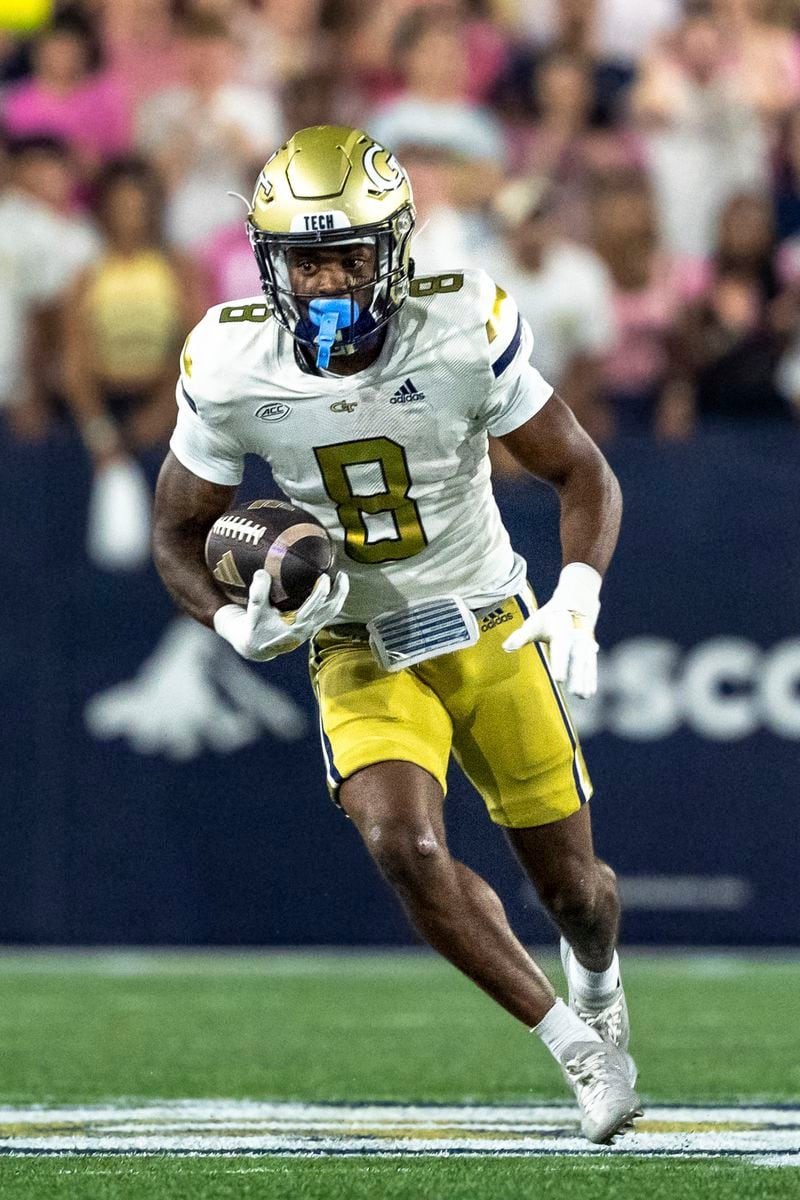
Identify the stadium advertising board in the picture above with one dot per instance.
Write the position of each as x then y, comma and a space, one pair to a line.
165, 791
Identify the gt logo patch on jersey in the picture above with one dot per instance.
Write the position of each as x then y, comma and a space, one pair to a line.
275, 411
344, 406
406, 393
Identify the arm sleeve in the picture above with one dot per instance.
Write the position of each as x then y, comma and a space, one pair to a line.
204, 449
517, 391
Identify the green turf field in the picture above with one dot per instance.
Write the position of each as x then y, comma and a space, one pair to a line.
95, 1041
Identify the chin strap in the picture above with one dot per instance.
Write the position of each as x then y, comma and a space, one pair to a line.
329, 315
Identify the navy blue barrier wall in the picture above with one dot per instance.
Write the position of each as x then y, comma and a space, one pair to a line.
693, 742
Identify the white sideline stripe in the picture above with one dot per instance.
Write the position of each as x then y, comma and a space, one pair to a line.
197, 1127
265, 963
776, 1160
494, 1115
653, 1145
321, 960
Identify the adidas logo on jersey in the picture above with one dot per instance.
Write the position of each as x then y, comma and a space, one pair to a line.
494, 618
406, 393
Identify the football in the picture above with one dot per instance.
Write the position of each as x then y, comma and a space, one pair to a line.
290, 544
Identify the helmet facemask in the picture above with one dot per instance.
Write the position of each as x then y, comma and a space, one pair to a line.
374, 301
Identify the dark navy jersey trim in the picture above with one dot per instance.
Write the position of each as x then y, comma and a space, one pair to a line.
511, 349
188, 399
576, 776
328, 748
582, 797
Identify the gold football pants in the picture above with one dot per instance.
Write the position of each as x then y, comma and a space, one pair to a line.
502, 715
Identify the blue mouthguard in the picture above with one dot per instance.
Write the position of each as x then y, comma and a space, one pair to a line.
330, 314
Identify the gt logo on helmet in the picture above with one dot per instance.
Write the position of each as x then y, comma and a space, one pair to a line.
379, 181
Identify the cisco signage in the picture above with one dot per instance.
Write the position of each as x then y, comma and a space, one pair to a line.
724, 689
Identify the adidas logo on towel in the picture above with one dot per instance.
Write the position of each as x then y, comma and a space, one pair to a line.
406, 394
494, 618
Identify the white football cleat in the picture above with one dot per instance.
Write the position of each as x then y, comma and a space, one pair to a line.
599, 1075
609, 1016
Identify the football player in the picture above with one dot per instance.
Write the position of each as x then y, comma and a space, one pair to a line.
371, 393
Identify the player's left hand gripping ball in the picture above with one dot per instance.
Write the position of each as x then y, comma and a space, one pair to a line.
259, 632
566, 622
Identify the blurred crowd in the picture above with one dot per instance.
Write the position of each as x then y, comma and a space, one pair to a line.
629, 170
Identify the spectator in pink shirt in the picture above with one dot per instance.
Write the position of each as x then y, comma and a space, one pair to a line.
366, 40
68, 98
140, 45
646, 299
230, 267
765, 46
746, 247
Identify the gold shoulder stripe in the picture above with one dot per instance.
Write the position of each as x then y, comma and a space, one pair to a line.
493, 324
186, 359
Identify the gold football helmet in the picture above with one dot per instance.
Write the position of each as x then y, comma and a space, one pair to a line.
333, 185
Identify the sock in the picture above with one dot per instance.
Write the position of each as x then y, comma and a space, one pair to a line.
561, 1028
593, 985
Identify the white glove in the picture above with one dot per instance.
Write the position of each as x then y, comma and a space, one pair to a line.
260, 632
567, 623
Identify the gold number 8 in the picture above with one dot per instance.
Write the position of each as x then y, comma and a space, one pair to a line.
352, 508
434, 285
234, 313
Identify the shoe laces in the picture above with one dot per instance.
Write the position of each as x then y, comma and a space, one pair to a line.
608, 1019
592, 1074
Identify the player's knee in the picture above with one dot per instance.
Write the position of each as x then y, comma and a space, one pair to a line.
608, 878
580, 892
572, 904
426, 844
403, 854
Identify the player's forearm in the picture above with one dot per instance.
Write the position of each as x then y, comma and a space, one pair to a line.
591, 511
185, 509
554, 447
179, 559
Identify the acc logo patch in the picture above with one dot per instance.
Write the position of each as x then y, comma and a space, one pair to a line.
273, 412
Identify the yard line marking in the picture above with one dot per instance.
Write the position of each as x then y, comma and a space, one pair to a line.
767, 1135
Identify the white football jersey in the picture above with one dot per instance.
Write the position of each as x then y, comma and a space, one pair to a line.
392, 460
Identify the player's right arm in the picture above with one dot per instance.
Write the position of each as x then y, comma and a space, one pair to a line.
186, 507
196, 486
200, 475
